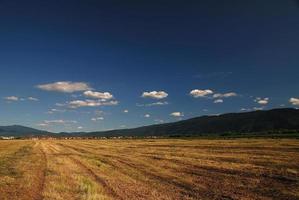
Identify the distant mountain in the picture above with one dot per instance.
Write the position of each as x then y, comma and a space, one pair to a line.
251, 123
20, 131
275, 120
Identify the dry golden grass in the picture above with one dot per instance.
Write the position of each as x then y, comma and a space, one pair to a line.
149, 169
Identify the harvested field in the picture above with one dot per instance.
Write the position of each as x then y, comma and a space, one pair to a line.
149, 169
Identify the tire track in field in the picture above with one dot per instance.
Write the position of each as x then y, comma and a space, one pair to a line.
101, 181
41, 187
186, 189
109, 190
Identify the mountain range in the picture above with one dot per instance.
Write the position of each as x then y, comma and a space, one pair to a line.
282, 120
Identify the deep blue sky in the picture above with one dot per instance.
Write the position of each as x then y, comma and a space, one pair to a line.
126, 48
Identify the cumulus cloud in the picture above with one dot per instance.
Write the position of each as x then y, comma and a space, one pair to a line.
218, 101
200, 93
65, 86
155, 94
54, 110
159, 121
90, 103
159, 103
98, 95
147, 115
60, 121
294, 101
15, 98
245, 109
12, 98
262, 101
225, 95
97, 118
43, 124
177, 114
32, 99
98, 112
258, 108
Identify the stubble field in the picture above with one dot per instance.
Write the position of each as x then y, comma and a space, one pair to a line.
149, 169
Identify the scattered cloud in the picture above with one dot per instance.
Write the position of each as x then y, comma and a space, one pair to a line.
177, 114
262, 101
59, 121
97, 118
32, 99
159, 121
294, 101
90, 103
65, 86
15, 98
200, 93
79, 127
54, 110
225, 95
43, 124
245, 109
218, 101
258, 108
159, 103
126, 111
12, 98
155, 95
98, 112
147, 115
98, 95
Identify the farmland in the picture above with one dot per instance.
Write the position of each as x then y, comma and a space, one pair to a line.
149, 169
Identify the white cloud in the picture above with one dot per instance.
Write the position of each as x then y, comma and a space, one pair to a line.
60, 121
200, 93
33, 99
155, 94
11, 98
147, 115
159, 121
65, 86
262, 101
225, 95
91, 103
98, 112
79, 127
245, 109
54, 110
98, 95
218, 101
258, 108
294, 101
159, 103
43, 124
97, 118
126, 111
177, 114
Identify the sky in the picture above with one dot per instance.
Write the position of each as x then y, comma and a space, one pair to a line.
99, 65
